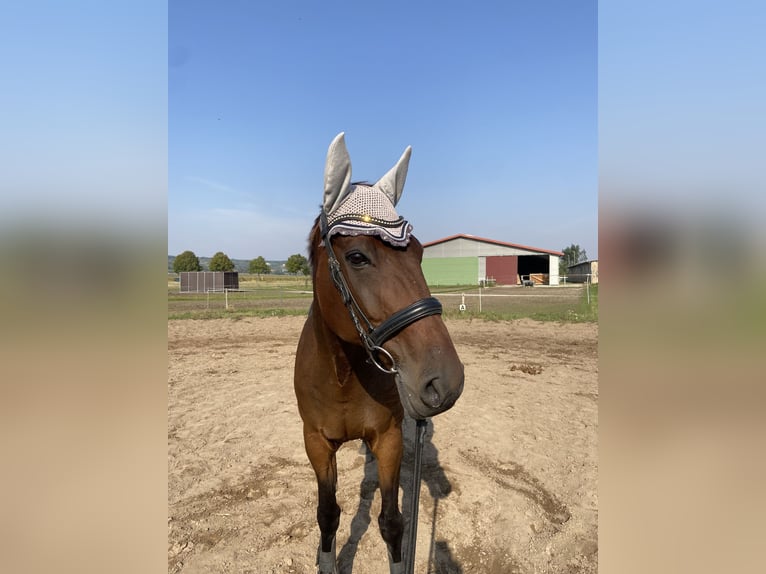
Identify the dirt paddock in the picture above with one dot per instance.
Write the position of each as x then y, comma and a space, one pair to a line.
509, 475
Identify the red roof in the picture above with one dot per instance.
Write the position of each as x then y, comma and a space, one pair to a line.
492, 241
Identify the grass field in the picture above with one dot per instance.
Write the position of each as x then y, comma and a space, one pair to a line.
570, 303
279, 295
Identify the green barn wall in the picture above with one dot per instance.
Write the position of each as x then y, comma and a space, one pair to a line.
451, 270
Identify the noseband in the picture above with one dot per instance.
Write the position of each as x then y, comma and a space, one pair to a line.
374, 337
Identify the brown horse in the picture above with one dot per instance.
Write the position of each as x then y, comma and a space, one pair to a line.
373, 344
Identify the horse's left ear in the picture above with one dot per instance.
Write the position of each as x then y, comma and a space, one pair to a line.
337, 174
392, 184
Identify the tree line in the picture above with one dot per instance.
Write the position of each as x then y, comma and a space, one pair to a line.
188, 261
298, 264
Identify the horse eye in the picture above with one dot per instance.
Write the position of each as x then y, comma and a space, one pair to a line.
357, 259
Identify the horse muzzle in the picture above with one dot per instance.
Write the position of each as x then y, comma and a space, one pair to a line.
430, 395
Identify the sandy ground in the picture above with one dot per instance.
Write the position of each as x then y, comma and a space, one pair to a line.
509, 475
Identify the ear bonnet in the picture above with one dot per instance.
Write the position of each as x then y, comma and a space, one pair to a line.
363, 209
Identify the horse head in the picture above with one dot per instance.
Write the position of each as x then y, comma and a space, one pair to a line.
370, 288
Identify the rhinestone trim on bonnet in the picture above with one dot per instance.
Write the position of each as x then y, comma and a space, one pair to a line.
368, 211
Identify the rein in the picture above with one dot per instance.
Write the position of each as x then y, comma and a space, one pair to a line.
373, 337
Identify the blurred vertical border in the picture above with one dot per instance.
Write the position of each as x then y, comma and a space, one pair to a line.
682, 135
83, 148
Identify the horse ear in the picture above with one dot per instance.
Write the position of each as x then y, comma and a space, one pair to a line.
392, 184
337, 173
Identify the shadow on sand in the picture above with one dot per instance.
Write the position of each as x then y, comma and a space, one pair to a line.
440, 558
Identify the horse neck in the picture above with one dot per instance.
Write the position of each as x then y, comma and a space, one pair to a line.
340, 353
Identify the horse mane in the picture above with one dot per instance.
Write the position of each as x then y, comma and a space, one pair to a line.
314, 240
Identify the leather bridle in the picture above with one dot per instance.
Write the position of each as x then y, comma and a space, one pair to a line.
374, 337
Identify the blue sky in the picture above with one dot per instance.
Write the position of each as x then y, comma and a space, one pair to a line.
497, 99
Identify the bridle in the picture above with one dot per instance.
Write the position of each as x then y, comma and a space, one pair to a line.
374, 337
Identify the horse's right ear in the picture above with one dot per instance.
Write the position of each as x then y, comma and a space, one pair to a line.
337, 174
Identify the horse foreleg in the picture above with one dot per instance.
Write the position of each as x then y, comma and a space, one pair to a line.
388, 451
322, 456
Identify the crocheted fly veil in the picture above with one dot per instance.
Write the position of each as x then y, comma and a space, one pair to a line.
361, 209
368, 211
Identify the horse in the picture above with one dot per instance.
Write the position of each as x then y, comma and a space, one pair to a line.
373, 346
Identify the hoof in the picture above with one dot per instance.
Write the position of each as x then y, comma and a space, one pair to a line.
395, 567
326, 563
332, 570
326, 560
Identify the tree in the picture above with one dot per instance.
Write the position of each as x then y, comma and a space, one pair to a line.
186, 261
259, 266
221, 262
572, 255
297, 264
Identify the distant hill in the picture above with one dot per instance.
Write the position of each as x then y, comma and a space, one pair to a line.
241, 265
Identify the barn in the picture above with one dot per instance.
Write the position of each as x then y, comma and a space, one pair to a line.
204, 281
469, 260
583, 272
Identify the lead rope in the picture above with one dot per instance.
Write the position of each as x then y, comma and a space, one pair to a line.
412, 536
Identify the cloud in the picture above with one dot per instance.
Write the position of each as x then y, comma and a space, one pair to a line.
216, 185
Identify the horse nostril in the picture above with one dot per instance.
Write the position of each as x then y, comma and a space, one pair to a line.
430, 394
